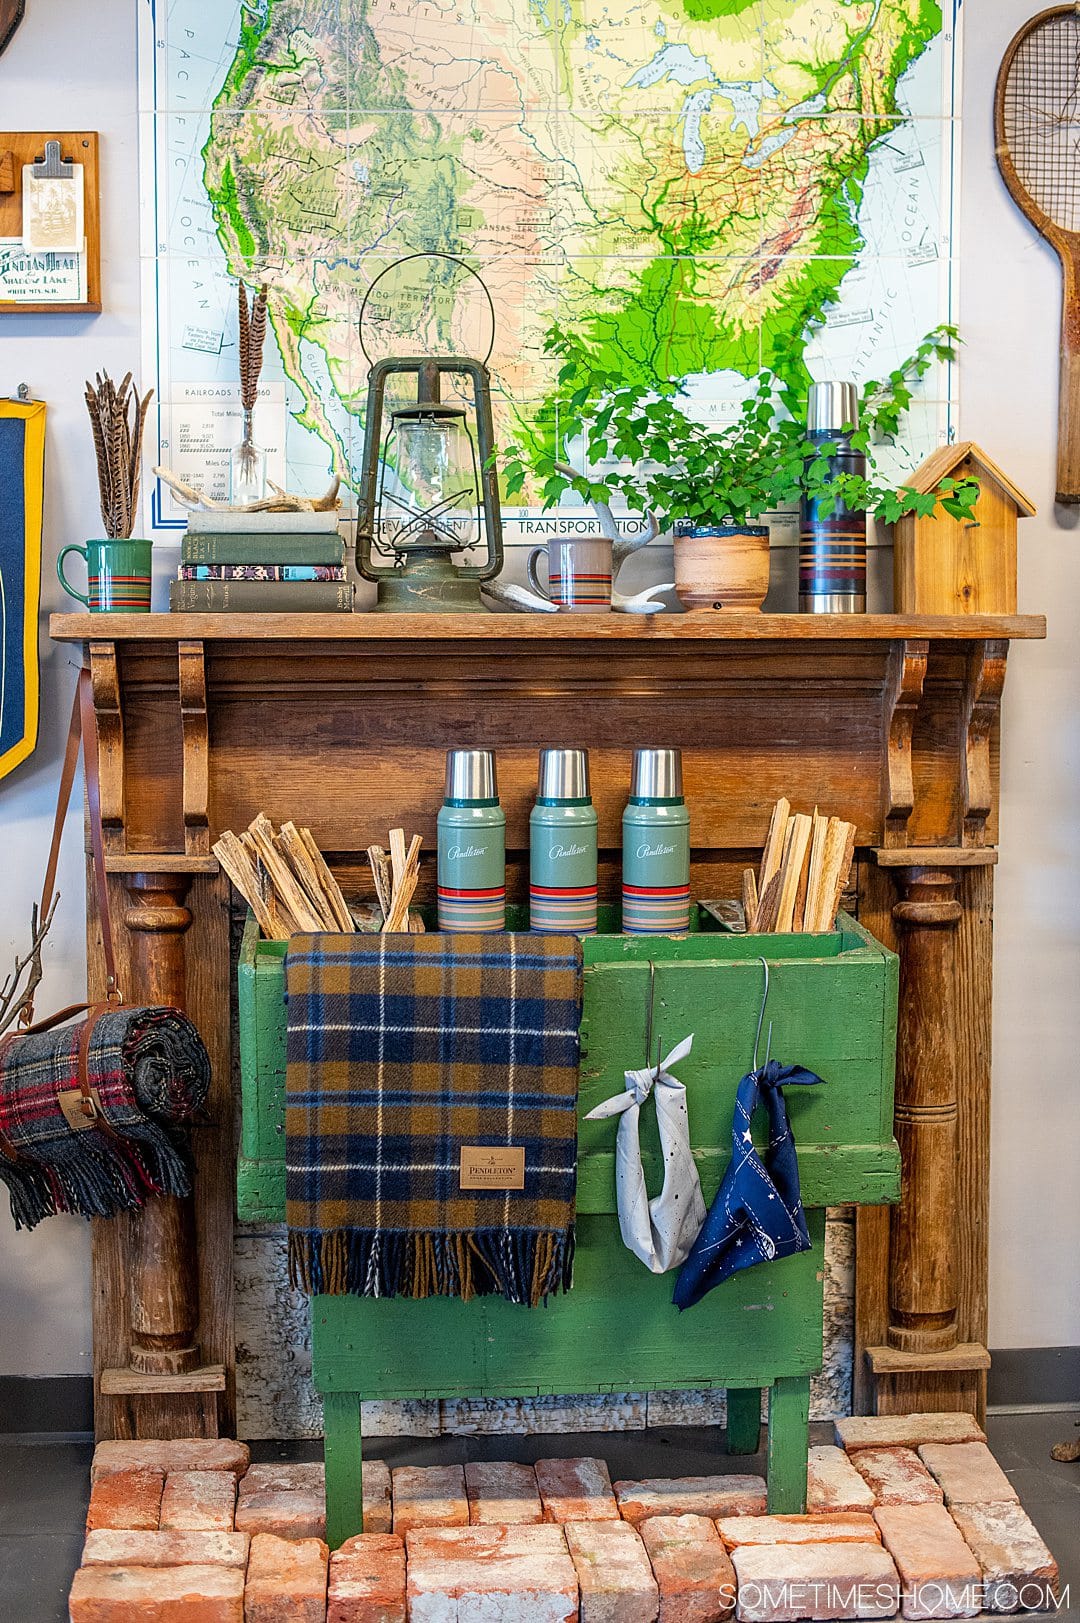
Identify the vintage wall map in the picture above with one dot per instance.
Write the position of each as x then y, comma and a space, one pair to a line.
691, 183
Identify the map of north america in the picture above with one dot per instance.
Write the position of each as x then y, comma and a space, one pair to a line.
684, 183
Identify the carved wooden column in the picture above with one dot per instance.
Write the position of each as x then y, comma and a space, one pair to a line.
164, 1285
922, 1238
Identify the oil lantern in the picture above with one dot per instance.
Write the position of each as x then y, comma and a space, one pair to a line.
429, 497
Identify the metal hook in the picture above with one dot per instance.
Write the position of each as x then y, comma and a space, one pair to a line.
649, 1014
761, 1019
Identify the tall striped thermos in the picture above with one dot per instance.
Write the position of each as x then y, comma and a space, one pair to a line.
656, 847
472, 845
832, 546
562, 845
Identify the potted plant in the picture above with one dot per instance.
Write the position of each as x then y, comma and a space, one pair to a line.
711, 485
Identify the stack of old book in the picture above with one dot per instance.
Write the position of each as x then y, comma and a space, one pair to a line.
262, 563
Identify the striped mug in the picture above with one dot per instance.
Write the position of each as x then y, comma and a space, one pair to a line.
117, 576
578, 573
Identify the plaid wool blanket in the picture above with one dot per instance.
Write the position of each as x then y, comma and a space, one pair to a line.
151, 1072
427, 1075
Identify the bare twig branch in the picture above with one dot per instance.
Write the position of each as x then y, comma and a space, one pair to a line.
17, 991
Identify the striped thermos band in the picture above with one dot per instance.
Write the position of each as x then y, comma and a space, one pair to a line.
480, 910
570, 908
655, 910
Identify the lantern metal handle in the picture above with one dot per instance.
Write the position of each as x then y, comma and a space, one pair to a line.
453, 259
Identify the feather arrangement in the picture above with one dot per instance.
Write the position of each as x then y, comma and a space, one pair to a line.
252, 339
117, 420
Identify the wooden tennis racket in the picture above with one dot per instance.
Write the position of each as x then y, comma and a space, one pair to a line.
1037, 136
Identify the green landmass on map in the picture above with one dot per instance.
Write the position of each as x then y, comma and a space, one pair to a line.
678, 180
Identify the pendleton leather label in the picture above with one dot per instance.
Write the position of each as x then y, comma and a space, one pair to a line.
487, 1166
73, 1104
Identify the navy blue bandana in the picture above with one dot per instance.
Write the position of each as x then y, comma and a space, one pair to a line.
757, 1214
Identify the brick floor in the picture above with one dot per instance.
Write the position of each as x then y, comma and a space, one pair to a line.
693, 1570
157, 1595
197, 1501
614, 1573
126, 1499
818, 1527
367, 1580
429, 1496
968, 1473
779, 1582
906, 1430
180, 1454
503, 1493
286, 1580
576, 1490
1018, 1570
940, 1575
112, 1547
832, 1482
896, 1476
691, 1496
287, 1499
484, 1574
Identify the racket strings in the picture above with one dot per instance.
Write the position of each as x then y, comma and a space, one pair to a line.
1041, 117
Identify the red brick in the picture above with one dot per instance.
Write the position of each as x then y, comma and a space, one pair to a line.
287, 1499
378, 1507
614, 1573
502, 1493
157, 1595
286, 1580
906, 1430
429, 1496
778, 1582
832, 1482
712, 1496
1019, 1573
818, 1527
576, 1490
692, 1569
941, 1577
117, 1548
195, 1501
896, 1476
126, 1499
968, 1472
476, 1574
367, 1580
179, 1454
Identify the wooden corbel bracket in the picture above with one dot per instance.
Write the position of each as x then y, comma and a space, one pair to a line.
903, 693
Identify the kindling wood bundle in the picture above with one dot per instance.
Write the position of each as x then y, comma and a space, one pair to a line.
286, 882
284, 879
804, 868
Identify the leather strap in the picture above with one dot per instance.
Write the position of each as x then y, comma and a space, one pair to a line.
82, 730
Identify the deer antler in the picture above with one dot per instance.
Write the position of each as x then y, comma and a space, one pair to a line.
13, 997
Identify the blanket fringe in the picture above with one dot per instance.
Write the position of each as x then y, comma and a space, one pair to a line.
93, 1175
523, 1266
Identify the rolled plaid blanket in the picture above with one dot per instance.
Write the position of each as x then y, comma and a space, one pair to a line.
150, 1071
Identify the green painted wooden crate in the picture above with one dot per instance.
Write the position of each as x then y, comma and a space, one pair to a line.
832, 1004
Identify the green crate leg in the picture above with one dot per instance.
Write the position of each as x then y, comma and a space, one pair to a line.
344, 1455
789, 1439
743, 1419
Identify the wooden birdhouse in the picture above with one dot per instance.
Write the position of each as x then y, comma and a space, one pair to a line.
943, 565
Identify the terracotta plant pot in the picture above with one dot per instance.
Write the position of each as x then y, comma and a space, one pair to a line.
722, 566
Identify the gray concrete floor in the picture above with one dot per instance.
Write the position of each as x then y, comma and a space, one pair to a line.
44, 1489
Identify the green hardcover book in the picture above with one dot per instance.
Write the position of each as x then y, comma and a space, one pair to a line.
260, 596
220, 547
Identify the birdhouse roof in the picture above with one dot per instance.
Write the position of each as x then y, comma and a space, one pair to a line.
943, 462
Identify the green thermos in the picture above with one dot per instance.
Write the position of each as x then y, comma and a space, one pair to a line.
656, 847
562, 845
472, 845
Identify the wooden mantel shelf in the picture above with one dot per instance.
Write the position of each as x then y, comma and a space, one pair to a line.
342, 722
702, 626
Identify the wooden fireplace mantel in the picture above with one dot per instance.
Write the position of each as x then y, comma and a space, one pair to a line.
342, 722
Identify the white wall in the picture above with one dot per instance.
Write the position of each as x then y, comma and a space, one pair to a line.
73, 65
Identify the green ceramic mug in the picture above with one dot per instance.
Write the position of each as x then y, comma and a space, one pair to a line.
117, 576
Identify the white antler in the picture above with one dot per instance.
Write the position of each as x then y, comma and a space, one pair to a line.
622, 546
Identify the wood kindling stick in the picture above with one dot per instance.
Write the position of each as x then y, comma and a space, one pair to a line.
791, 871
382, 875
406, 873
338, 905
262, 832
773, 853
749, 898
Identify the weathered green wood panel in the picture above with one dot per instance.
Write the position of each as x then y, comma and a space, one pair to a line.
832, 1002
616, 1330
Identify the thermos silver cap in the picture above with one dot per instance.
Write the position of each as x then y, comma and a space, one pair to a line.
470, 775
831, 407
564, 775
656, 775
